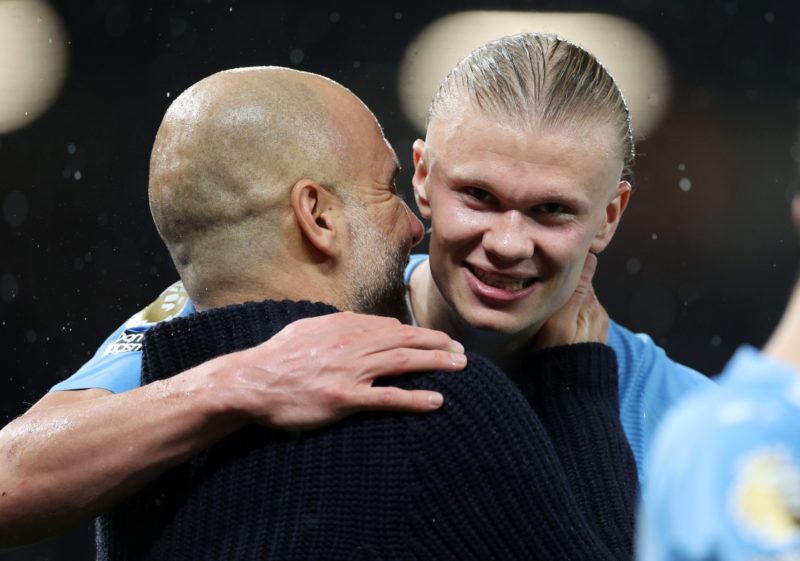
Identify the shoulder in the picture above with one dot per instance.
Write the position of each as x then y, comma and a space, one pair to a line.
650, 383
116, 364
645, 369
414, 261
725, 466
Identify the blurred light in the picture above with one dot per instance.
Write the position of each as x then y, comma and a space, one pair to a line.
626, 50
32, 60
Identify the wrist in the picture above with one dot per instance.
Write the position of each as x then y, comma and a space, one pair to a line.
208, 390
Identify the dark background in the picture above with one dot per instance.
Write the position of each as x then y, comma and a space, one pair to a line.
701, 271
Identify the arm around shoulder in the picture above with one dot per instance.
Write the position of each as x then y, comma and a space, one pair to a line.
75, 453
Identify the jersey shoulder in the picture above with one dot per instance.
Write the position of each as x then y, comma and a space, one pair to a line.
725, 474
117, 363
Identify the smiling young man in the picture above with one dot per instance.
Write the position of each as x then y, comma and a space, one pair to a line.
522, 174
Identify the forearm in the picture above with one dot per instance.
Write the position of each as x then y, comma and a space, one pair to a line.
783, 345
67, 460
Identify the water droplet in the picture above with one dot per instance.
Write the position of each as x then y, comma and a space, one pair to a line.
398, 15
356, 64
335, 17
654, 236
15, 208
769, 17
685, 184
716, 341
633, 265
167, 94
682, 166
8, 288
77, 175
71, 148
296, 56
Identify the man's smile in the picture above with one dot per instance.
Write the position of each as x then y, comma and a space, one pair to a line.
498, 287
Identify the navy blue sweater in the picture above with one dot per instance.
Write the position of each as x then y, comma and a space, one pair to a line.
479, 479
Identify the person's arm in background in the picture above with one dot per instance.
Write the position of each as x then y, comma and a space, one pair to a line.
784, 344
76, 453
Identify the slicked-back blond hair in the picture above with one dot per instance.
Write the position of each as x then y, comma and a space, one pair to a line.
538, 79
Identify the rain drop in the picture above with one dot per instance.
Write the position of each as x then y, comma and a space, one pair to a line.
685, 184
8, 288
296, 56
15, 208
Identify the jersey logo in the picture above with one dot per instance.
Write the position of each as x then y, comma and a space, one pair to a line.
764, 497
168, 305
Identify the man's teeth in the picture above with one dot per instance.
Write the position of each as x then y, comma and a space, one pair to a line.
498, 281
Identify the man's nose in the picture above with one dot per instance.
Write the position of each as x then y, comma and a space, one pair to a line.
417, 230
508, 237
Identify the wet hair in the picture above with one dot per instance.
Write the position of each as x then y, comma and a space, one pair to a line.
540, 80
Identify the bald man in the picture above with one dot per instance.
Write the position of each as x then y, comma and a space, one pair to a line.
255, 203
217, 150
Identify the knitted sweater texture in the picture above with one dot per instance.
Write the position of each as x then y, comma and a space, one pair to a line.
480, 479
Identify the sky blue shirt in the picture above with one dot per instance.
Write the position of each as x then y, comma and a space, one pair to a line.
723, 482
649, 382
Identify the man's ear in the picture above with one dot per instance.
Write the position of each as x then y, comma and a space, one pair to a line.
419, 181
316, 210
613, 213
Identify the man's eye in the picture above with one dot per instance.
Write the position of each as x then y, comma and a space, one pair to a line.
480, 194
552, 208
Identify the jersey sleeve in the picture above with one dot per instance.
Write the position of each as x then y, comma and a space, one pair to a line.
724, 481
650, 383
116, 366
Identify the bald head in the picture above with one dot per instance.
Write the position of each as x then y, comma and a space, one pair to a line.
226, 155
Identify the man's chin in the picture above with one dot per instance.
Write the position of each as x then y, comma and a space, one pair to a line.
395, 305
497, 322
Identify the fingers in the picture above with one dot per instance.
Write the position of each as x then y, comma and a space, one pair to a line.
408, 336
395, 362
395, 399
587, 274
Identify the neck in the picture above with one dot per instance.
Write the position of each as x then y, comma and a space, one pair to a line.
290, 280
431, 310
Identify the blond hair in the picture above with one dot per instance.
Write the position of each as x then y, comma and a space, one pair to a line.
538, 79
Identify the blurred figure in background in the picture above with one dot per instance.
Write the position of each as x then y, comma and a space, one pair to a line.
724, 478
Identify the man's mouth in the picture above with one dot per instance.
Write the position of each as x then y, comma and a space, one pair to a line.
501, 281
